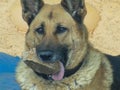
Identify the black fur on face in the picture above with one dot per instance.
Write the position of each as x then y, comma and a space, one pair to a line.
52, 53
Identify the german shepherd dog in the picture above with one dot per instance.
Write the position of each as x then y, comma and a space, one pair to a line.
58, 33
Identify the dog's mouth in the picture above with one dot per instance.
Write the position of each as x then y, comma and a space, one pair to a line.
52, 57
60, 74
51, 68
54, 71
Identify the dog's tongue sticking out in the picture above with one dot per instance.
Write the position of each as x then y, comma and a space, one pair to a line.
54, 70
59, 75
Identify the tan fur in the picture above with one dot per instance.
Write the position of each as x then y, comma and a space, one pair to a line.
94, 74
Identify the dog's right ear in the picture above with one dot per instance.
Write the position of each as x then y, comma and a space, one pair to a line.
30, 9
76, 8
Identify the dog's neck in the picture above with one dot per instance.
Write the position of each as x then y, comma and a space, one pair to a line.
69, 72
82, 77
83, 73
86, 72
72, 71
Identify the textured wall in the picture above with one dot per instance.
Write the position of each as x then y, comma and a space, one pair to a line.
102, 21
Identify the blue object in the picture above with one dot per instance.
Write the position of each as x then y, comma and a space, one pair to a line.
7, 72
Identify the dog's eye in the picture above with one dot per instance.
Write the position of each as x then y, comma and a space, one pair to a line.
60, 29
40, 30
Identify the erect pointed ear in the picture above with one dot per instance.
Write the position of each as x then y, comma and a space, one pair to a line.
30, 9
76, 8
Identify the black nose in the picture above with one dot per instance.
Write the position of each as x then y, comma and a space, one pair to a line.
46, 55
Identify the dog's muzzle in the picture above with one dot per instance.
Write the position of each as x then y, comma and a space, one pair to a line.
48, 56
53, 54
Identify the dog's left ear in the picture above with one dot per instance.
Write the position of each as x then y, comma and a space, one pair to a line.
30, 9
76, 8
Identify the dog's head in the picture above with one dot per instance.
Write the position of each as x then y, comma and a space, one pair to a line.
56, 31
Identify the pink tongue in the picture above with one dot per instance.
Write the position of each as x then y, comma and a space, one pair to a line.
60, 74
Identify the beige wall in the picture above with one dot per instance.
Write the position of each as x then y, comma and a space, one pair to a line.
52, 1
102, 21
